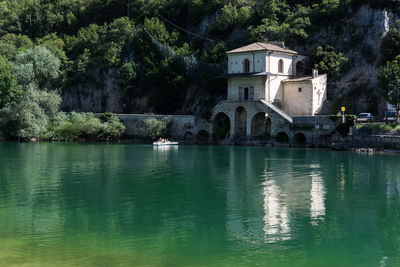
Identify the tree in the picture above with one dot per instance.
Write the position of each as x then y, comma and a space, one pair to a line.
127, 74
9, 90
29, 117
37, 66
326, 59
12, 44
389, 82
54, 44
391, 43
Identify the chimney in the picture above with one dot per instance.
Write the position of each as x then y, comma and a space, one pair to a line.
314, 73
278, 43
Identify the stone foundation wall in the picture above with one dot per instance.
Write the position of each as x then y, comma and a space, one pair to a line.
381, 141
180, 124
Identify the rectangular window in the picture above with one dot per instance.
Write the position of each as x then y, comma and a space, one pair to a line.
240, 93
299, 89
251, 92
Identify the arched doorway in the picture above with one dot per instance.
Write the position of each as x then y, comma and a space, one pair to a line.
282, 138
260, 126
240, 121
300, 139
300, 69
221, 126
202, 136
188, 135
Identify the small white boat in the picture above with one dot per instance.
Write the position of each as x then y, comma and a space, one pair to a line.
165, 143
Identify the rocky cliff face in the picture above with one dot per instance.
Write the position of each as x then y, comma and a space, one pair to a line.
360, 40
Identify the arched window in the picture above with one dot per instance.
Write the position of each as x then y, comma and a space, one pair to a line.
246, 65
300, 70
280, 66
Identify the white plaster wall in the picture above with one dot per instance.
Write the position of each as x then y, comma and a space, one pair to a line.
287, 63
319, 88
257, 62
274, 88
295, 102
235, 83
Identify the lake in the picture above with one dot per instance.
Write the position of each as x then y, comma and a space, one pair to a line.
66, 204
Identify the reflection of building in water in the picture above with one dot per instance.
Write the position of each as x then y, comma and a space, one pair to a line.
317, 193
276, 216
268, 197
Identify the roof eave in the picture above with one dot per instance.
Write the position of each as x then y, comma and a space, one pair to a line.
267, 50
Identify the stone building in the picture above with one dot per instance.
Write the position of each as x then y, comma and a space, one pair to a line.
267, 86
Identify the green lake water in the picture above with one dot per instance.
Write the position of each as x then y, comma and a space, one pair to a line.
134, 205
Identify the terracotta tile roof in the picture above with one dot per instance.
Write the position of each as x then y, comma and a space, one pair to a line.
259, 46
299, 79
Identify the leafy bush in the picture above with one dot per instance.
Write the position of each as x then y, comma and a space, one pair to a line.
373, 128
113, 127
84, 126
154, 128
28, 118
326, 59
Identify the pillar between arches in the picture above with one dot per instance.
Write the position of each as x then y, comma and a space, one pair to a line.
232, 129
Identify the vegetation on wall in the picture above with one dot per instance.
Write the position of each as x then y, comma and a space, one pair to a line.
154, 128
326, 59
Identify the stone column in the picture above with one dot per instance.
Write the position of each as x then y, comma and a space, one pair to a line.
232, 130
248, 124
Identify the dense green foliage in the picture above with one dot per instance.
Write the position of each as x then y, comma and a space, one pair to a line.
154, 128
84, 126
8, 86
326, 59
389, 81
29, 116
29, 105
391, 43
374, 128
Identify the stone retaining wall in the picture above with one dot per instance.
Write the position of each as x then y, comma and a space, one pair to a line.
385, 141
180, 125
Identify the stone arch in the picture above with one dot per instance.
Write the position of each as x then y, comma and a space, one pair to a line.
240, 121
280, 66
282, 138
188, 135
300, 139
221, 126
300, 68
246, 65
260, 126
202, 136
